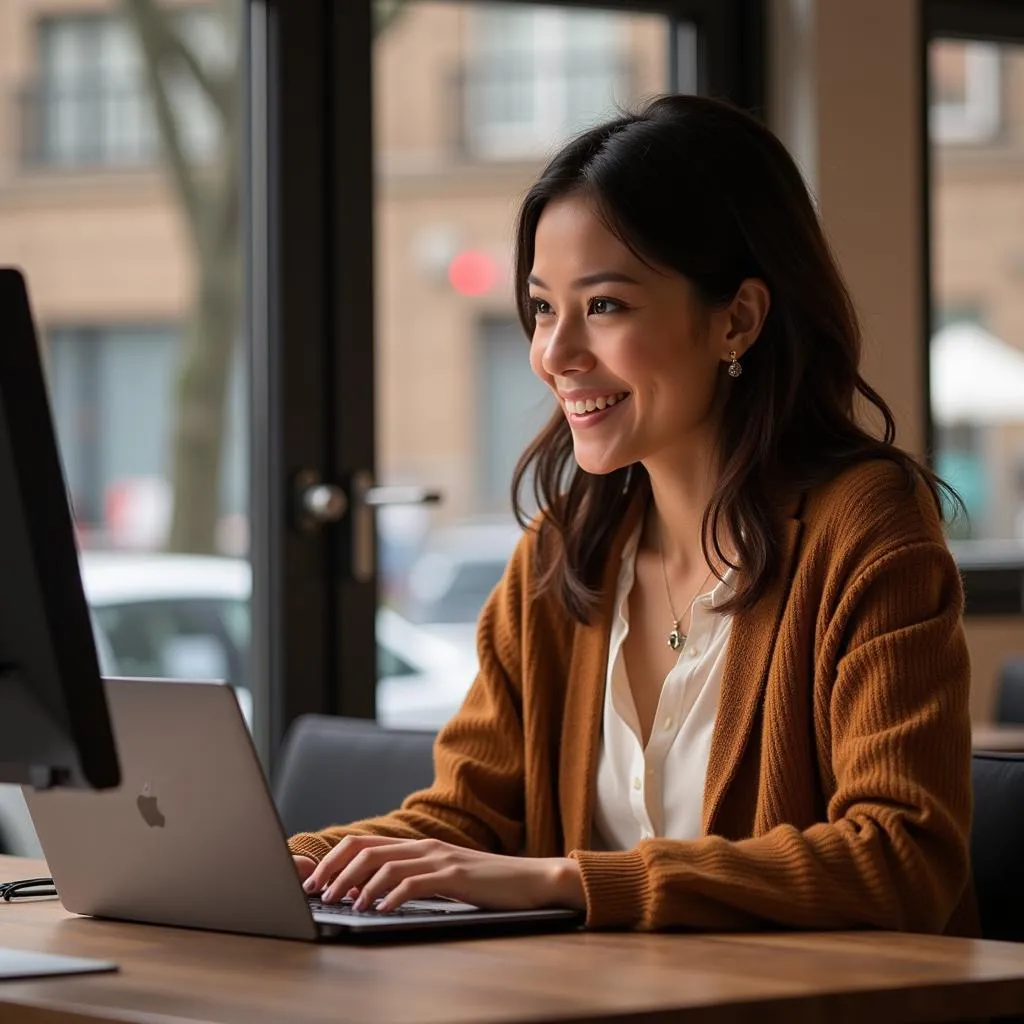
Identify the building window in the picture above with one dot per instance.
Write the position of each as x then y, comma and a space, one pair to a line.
90, 105
538, 74
965, 92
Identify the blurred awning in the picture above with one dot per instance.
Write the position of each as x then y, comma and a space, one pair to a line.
975, 377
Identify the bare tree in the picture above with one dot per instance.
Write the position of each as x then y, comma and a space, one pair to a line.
207, 188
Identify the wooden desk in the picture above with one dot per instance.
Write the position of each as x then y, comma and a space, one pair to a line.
174, 975
1002, 738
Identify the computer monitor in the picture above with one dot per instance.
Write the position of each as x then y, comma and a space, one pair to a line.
54, 727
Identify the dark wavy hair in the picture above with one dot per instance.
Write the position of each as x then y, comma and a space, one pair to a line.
696, 186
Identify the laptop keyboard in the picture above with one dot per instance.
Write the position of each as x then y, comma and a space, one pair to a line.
345, 909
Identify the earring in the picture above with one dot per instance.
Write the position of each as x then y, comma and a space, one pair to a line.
734, 367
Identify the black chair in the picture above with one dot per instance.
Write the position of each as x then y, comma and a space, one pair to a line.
997, 844
1010, 695
336, 770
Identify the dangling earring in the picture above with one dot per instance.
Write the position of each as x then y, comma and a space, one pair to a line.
628, 480
734, 367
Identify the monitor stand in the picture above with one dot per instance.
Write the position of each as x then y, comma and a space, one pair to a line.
27, 963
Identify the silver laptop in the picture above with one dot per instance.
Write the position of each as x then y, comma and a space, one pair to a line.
192, 837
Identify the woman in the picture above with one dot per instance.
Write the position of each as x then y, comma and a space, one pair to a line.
723, 683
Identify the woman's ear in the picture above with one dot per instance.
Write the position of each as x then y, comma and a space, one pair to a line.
746, 316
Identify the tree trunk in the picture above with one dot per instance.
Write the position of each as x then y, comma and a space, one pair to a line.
202, 391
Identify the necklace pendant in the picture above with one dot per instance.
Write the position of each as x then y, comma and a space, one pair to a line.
675, 638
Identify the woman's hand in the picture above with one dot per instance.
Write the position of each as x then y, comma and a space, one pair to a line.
396, 870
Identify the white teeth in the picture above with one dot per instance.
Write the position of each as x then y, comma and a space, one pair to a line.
580, 408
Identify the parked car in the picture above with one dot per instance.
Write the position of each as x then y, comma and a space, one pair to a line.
454, 575
188, 616
173, 616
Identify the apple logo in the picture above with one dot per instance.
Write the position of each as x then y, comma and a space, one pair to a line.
149, 810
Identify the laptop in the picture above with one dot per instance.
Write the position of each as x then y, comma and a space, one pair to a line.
192, 837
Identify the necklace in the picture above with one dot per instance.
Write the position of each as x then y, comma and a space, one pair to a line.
676, 637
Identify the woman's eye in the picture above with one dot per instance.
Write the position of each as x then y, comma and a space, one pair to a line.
602, 306
540, 307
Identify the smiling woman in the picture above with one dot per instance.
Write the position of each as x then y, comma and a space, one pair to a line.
723, 682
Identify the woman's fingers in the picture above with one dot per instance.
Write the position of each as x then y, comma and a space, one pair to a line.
337, 859
395, 876
367, 863
419, 887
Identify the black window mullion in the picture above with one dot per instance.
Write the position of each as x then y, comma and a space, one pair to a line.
349, 379
289, 328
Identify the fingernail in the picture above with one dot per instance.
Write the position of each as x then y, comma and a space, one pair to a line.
360, 904
309, 884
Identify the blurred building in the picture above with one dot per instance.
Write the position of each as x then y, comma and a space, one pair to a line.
470, 98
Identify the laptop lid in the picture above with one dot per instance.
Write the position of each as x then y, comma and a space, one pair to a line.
191, 837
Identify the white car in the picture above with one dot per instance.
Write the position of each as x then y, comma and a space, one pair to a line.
454, 575
188, 616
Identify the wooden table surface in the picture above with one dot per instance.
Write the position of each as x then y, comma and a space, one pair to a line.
994, 737
175, 975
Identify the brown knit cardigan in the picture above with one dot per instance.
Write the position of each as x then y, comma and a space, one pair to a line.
838, 791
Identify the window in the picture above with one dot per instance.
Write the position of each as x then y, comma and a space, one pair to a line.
91, 104
964, 81
113, 393
977, 344
291, 84
538, 73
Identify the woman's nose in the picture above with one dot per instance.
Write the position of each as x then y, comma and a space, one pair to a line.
566, 350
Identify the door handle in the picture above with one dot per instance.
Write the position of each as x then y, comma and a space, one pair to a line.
319, 503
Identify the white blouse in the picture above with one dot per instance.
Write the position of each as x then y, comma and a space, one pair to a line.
659, 790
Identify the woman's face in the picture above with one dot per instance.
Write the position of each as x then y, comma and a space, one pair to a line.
632, 355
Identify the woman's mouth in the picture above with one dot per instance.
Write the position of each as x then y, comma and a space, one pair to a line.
584, 412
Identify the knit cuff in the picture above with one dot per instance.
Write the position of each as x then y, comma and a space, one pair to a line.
617, 887
309, 844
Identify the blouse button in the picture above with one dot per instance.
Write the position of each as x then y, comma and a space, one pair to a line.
636, 782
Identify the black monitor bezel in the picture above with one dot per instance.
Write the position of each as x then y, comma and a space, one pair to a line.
76, 743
